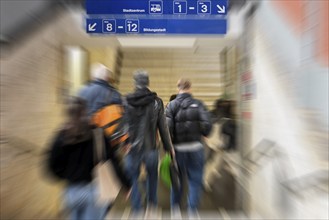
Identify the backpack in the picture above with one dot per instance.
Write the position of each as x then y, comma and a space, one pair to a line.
113, 121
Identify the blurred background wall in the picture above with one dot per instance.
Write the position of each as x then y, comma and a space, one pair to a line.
286, 108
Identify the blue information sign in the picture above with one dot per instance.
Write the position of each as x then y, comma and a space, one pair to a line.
156, 26
154, 7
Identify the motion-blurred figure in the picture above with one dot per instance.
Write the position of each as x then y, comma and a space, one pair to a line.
228, 125
145, 114
72, 159
216, 113
214, 141
172, 97
99, 92
188, 121
223, 117
105, 109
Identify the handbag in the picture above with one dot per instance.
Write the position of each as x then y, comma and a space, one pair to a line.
165, 170
169, 172
105, 179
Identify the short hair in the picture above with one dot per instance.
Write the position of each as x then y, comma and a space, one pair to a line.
184, 84
100, 71
141, 78
172, 97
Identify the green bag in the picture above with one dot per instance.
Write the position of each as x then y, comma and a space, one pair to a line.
165, 170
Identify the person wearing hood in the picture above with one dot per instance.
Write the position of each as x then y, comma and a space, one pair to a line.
145, 114
188, 121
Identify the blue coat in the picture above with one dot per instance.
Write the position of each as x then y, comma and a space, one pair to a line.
99, 94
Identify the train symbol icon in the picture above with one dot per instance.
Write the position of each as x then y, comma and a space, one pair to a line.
155, 7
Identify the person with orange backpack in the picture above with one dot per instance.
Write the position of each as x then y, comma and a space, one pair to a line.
105, 110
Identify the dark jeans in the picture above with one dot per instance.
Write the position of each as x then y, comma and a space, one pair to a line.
133, 162
190, 164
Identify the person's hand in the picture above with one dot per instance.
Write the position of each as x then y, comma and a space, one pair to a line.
126, 148
128, 194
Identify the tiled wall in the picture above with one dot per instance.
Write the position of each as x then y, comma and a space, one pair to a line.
31, 111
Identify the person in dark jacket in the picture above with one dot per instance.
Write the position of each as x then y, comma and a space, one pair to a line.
229, 126
71, 159
188, 121
145, 115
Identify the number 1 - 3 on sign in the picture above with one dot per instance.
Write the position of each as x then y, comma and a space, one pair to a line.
204, 7
180, 7
109, 26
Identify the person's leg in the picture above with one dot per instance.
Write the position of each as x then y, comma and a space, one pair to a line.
151, 160
93, 210
132, 165
176, 194
75, 201
194, 169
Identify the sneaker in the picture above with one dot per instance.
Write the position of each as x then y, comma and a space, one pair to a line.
176, 213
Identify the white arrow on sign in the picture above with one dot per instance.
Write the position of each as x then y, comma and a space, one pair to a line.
221, 10
91, 27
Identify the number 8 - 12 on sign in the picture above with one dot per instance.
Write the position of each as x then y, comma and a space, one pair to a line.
109, 26
132, 26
